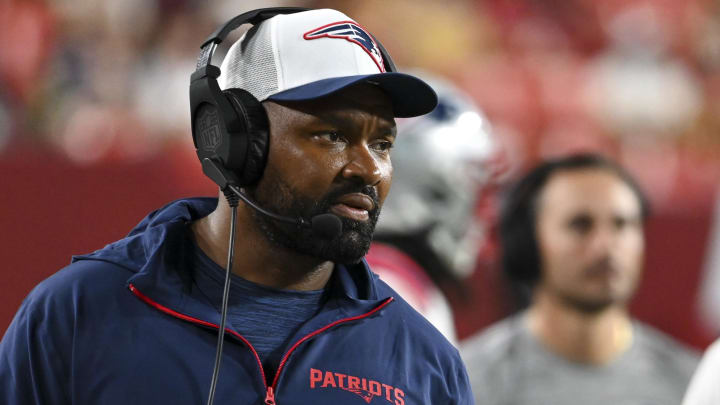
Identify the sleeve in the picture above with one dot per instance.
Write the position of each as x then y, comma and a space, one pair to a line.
704, 388
457, 384
465, 392
35, 355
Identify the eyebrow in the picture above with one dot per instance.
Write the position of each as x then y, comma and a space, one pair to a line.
613, 215
339, 119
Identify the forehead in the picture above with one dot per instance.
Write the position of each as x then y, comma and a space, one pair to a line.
593, 190
362, 100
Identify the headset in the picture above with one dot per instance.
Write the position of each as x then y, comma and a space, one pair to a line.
230, 127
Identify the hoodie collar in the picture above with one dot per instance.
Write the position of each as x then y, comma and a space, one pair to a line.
160, 253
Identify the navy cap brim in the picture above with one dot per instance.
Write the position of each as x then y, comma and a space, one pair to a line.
409, 95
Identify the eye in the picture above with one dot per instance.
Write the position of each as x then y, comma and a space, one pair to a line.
383, 145
581, 224
329, 136
621, 223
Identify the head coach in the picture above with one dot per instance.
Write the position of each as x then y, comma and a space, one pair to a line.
268, 300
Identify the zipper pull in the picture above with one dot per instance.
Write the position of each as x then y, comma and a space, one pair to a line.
270, 397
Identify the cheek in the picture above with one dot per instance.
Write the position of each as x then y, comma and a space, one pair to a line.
550, 252
555, 244
285, 155
385, 184
634, 250
305, 169
560, 254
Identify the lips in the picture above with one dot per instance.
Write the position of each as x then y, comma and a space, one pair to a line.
604, 268
354, 206
357, 200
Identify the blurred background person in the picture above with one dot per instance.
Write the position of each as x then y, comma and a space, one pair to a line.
572, 239
428, 234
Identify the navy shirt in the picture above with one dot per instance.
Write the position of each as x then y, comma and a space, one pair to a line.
267, 317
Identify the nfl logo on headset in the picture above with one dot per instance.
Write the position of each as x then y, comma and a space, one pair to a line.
208, 129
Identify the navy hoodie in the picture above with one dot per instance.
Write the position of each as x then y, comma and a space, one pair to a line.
126, 325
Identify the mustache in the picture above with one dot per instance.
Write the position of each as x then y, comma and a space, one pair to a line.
341, 190
604, 265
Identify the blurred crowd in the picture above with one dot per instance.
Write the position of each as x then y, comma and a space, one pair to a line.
636, 79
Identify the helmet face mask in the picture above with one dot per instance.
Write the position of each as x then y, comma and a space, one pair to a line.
440, 163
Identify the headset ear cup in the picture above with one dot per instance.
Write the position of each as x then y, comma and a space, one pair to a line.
250, 168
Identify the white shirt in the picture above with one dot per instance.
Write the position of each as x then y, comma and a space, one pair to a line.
704, 388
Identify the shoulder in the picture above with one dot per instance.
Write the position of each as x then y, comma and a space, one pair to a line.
663, 350
490, 358
418, 350
398, 270
82, 275
415, 287
412, 318
41, 340
494, 343
61, 295
415, 326
53, 309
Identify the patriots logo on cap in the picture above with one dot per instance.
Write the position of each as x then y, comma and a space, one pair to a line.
350, 31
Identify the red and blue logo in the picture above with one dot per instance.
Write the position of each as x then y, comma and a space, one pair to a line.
350, 31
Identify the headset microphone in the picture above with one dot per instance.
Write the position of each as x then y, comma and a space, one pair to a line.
326, 226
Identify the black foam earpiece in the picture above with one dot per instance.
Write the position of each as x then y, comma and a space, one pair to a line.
240, 149
255, 136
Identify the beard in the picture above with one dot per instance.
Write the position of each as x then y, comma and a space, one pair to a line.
279, 197
587, 305
595, 300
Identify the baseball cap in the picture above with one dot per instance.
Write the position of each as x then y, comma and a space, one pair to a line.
311, 54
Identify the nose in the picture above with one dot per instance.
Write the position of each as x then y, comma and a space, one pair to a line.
604, 240
363, 166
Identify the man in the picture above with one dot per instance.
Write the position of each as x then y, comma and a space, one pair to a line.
308, 323
572, 233
428, 235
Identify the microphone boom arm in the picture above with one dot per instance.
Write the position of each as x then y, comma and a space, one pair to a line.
297, 221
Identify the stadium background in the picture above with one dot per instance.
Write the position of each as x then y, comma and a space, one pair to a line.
94, 121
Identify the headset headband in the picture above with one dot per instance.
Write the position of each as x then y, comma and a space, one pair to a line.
255, 17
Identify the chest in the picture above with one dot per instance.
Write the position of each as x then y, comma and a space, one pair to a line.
159, 359
538, 381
